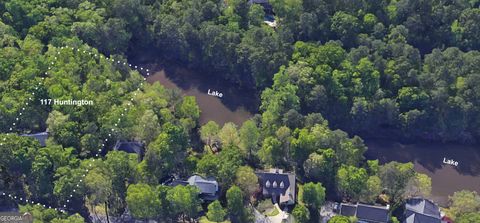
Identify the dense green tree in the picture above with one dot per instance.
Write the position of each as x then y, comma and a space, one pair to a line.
372, 190
256, 15
99, 188
189, 112
249, 137
466, 29
222, 166
271, 152
142, 201
66, 180
419, 186
235, 205
302, 146
321, 167
63, 130
468, 218
148, 127
464, 202
345, 27
229, 135
89, 144
184, 201
41, 214
247, 180
261, 52
351, 181
215, 212
395, 177
278, 100
121, 170
16, 159
301, 214
209, 133
313, 195
168, 150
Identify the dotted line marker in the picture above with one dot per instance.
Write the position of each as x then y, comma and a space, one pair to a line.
17, 119
104, 142
11, 129
27, 201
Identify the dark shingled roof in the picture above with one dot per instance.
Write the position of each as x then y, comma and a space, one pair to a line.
422, 206
419, 210
348, 209
271, 179
41, 137
277, 184
373, 214
420, 218
130, 147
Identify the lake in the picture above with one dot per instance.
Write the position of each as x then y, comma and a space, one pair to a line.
428, 159
237, 105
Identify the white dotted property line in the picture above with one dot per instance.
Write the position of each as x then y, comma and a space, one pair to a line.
11, 196
99, 56
17, 119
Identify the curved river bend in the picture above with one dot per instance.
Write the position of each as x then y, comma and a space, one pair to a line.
237, 105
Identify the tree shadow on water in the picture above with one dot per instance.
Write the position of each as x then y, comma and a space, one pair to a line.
233, 97
430, 156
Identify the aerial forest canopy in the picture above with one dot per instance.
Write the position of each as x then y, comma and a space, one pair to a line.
406, 66
329, 70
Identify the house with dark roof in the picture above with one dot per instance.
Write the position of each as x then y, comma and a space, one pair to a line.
41, 137
130, 147
347, 209
365, 213
419, 210
278, 185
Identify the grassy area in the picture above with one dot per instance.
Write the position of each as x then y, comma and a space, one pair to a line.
300, 194
205, 220
274, 212
264, 205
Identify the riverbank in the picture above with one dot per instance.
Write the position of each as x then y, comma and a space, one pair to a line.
237, 105
428, 158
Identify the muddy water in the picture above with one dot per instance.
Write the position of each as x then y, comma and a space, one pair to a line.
429, 159
236, 104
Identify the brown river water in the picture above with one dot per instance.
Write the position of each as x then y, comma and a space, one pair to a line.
237, 105
429, 159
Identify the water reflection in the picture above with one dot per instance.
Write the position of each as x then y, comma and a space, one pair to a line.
428, 159
236, 105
